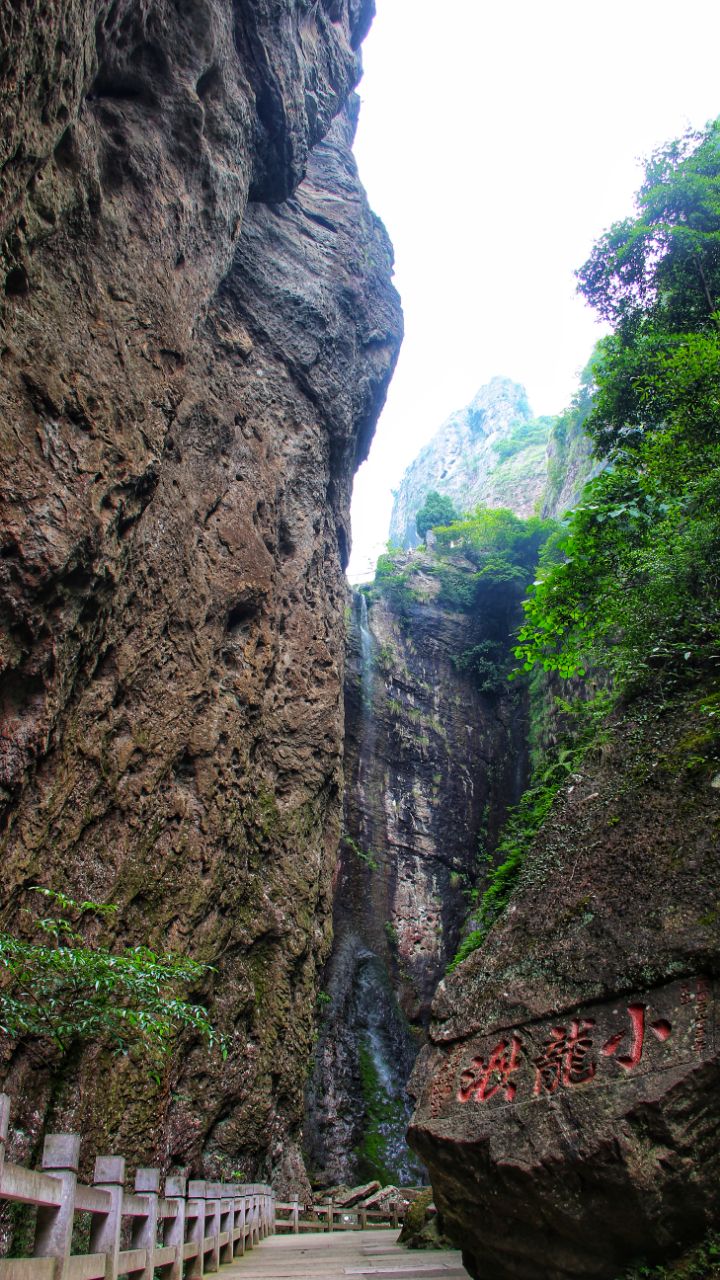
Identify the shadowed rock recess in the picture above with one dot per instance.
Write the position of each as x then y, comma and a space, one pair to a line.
189, 382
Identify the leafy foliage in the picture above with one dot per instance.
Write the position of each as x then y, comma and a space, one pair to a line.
700, 1263
504, 552
636, 589
60, 988
488, 662
393, 576
436, 510
663, 266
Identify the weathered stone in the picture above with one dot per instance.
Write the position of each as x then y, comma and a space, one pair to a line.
188, 384
568, 1103
357, 1194
421, 1227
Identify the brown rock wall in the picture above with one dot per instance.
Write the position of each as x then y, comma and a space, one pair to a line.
188, 385
431, 764
567, 1104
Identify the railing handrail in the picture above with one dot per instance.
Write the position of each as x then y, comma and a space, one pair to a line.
200, 1222
326, 1213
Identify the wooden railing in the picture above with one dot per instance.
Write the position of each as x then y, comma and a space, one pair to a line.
183, 1235
333, 1217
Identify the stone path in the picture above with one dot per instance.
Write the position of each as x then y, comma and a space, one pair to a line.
337, 1255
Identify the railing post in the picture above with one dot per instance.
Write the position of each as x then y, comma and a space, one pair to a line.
254, 1234
227, 1223
196, 1191
109, 1176
53, 1232
239, 1216
362, 1216
394, 1209
144, 1230
4, 1124
213, 1191
174, 1228
330, 1212
295, 1214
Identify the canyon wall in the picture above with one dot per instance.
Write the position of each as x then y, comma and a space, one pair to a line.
198, 329
431, 764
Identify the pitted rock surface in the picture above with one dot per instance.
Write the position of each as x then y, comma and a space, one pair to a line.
189, 382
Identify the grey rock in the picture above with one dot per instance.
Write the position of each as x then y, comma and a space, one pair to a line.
461, 463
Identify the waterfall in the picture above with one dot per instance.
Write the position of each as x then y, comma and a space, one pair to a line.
385, 1057
366, 661
357, 1105
366, 735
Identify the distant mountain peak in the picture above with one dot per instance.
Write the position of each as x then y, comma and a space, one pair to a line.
491, 451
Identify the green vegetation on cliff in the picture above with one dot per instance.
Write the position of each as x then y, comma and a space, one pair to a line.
701, 1263
628, 586
63, 988
636, 592
435, 510
484, 563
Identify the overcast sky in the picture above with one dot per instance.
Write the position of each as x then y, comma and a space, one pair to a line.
497, 140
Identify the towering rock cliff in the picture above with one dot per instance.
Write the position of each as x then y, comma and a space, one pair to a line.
432, 760
490, 452
198, 329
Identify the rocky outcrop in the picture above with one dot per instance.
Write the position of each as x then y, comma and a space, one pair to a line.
570, 1091
431, 764
490, 452
189, 382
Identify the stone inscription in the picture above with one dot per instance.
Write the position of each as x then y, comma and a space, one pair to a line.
603, 1044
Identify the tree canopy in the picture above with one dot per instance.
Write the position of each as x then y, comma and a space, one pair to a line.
663, 266
637, 588
436, 510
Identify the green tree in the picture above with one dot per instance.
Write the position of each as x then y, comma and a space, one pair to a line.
637, 588
436, 510
664, 264
59, 987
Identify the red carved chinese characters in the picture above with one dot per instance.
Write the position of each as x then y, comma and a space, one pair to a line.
482, 1082
565, 1059
604, 1045
661, 1030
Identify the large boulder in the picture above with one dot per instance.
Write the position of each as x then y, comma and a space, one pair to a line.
568, 1106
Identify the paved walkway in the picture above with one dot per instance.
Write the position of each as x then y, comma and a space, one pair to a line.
337, 1255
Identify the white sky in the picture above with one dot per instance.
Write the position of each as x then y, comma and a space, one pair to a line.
497, 140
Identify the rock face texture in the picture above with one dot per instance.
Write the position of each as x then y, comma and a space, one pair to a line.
189, 381
463, 461
568, 1102
431, 764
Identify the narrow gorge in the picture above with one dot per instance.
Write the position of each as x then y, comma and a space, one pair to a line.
413, 883
434, 757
